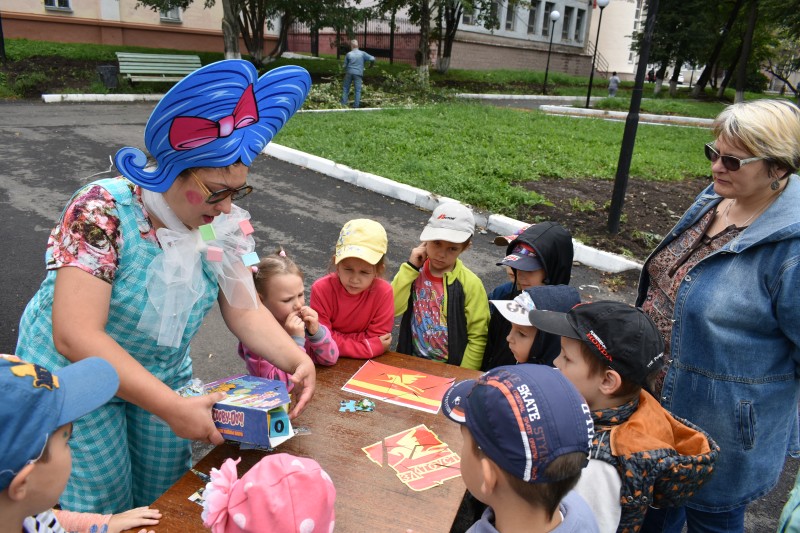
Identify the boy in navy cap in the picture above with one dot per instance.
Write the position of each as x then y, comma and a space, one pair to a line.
526, 434
36, 414
641, 455
540, 255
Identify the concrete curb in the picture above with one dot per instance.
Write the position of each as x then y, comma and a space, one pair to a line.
500, 224
488, 96
88, 98
622, 115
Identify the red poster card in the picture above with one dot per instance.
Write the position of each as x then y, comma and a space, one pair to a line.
400, 386
421, 460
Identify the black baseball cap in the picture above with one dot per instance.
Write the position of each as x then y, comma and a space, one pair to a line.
622, 336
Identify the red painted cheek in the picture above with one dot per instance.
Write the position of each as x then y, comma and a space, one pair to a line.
193, 197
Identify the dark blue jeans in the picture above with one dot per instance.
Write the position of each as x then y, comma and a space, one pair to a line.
356, 80
672, 521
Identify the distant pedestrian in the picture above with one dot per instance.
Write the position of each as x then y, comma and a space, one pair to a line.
651, 75
613, 85
354, 72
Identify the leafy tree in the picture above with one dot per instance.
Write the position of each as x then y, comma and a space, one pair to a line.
783, 60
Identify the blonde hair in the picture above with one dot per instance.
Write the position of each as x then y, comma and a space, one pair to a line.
765, 128
275, 264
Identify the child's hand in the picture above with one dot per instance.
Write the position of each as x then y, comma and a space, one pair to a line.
141, 516
294, 325
310, 319
418, 255
386, 340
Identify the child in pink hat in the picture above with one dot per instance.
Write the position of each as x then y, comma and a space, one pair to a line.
281, 493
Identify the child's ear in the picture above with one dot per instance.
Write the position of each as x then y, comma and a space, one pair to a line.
489, 474
611, 383
20, 485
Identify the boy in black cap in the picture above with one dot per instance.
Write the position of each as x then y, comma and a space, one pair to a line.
526, 434
641, 455
540, 255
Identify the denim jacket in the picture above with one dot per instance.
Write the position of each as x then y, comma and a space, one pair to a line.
736, 348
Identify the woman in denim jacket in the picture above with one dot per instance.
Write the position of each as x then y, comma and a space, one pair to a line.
724, 289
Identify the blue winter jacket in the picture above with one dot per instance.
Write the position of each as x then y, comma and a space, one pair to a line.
736, 348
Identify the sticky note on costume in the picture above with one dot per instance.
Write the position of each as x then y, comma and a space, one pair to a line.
246, 227
214, 254
250, 259
207, 232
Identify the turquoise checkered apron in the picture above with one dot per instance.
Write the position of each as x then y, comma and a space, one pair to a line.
123, 456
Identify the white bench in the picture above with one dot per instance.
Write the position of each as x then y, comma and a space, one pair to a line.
156, 67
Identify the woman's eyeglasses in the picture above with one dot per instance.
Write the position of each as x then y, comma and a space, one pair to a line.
728, 161
217, 196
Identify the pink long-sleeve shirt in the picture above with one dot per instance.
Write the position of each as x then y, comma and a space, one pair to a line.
355, 321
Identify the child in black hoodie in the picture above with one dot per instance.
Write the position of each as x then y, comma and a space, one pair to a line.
540, 255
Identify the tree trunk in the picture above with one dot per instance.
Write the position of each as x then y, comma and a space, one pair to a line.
726, 79
424, 50
747, 46
253, 18
700, 86
230, 28
662, 70
673, 81
283, 37
452, 16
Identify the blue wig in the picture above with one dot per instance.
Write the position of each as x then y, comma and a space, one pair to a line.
219, 114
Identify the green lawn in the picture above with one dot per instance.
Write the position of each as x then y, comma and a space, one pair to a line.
477, 154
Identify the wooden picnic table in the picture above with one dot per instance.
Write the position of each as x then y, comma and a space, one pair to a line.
369, 497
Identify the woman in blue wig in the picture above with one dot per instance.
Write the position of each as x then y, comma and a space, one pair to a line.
153, 249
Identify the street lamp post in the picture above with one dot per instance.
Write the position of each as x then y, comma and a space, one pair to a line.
602, 5
554, 16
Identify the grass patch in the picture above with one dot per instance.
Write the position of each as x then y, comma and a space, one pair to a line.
449, 149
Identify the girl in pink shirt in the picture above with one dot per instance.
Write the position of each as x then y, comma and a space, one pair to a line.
279, 284
353, 301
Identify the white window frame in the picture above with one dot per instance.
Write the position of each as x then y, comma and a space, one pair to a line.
547, 23
468, 19
58, 5
511, 18
569, 12
532, 19
171, 15
580, 22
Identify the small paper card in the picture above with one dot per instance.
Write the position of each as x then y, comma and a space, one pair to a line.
400, 386
421, 460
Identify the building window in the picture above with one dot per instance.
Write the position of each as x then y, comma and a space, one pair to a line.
468, 18
57, 4
494, 11
580, 18
510, 18
546, 23
565, 36
532, 20
171, 15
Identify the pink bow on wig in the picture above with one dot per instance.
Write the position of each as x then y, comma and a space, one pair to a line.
186, 133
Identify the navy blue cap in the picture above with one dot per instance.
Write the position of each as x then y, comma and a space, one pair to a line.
523, 417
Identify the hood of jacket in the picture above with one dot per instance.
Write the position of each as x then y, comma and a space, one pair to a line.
553, 244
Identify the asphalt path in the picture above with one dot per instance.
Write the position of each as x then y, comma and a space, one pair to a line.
47, 151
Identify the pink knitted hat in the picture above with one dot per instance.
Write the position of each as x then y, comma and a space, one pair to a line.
281, 493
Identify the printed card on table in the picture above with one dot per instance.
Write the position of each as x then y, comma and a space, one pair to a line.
421, 460
400, 386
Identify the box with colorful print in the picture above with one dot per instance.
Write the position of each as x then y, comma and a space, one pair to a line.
255, 410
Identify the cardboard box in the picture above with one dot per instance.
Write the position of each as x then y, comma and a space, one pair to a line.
255, 410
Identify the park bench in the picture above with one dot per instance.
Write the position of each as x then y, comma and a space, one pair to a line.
156, 67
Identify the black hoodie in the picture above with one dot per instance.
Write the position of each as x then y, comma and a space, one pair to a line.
553, 245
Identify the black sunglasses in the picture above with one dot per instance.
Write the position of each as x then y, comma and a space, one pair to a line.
728, 161
217, 196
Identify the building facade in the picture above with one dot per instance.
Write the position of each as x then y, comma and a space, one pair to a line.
117, 22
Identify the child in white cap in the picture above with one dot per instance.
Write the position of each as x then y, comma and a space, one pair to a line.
443, 303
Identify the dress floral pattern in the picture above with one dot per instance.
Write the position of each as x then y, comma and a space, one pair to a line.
88, 235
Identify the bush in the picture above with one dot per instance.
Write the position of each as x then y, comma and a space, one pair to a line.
30, 84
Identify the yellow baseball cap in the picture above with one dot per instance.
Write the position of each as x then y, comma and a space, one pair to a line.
362, 238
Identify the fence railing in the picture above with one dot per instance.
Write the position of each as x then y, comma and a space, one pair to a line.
391, 37
601, 65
